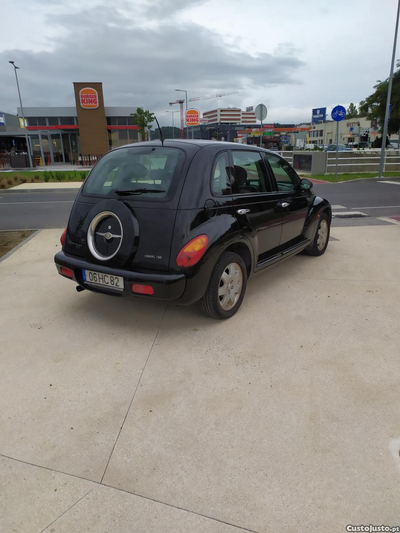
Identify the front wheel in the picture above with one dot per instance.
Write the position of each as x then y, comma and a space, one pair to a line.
225, 292
321, 239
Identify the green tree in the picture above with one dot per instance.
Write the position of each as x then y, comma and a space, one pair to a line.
352, 111
143, 120
374, 106
168, 133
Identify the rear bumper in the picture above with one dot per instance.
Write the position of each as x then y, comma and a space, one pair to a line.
166, 286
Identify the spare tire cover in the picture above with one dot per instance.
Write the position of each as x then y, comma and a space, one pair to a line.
112, 233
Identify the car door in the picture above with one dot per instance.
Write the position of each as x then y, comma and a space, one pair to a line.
294, 201
255, 203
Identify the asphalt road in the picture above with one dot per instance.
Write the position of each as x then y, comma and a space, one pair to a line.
43, 210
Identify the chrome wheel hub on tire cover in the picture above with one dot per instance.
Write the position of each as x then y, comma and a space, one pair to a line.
105, 235
230, 286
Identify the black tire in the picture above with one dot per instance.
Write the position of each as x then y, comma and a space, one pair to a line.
210, 303
314, 248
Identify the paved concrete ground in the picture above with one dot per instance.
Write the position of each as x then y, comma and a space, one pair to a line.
125, 415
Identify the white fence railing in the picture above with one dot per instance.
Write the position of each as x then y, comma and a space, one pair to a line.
347, 162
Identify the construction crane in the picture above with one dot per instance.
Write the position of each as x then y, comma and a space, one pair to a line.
196, 99
180, 102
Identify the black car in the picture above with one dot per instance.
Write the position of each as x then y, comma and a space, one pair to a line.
188, 221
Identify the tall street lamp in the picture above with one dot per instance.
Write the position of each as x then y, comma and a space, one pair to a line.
389, 93
173, 123
186, 105
22, 111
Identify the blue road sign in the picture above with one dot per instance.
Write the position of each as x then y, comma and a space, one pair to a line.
284, 139
351, 128
318, 115
338, 113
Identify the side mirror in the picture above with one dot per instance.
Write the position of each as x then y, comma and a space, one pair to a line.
306, 184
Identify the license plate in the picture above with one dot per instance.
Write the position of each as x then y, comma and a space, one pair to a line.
104, 280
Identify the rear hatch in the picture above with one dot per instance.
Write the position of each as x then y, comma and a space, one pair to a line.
127, 207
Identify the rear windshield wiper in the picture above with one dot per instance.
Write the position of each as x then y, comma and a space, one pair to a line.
127, 192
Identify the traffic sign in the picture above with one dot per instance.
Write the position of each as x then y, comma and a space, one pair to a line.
284, 139
351, 128
261, 112
192, 117
338, 113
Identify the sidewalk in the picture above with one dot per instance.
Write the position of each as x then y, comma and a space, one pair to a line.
49, 186
128, 415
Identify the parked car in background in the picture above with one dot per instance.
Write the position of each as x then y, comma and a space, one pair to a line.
188, 221
341, 148
358, 146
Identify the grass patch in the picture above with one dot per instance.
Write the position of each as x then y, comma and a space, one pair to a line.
348, 177
11, 179
11, 239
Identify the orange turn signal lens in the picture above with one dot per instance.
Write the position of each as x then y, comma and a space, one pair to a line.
192, 252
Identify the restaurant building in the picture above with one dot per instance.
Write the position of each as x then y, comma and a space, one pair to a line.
71, 134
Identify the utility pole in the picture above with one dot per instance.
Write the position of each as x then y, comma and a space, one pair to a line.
389, 94
173, 123
186, 105
23, 116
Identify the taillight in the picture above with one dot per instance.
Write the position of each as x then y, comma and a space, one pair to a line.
192, 252
67, 272
63, 237
142, 289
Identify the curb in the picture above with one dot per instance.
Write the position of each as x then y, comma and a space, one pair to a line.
20, 245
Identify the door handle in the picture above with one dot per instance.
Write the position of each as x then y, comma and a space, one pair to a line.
284, 204
243, 211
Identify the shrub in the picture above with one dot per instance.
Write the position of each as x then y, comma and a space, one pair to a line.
37, 177
83, 175
16, 178
9, 181
60, 176
32, 180
23, 180
2, 186
46, 176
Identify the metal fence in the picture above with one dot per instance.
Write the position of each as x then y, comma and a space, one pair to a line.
87, 160
347, 162
362, 161
5, 161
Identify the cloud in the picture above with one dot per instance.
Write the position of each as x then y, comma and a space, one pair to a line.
141, 65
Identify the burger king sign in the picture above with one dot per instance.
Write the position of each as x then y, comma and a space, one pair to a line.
89, 98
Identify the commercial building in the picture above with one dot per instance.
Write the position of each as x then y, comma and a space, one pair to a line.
70, 134
229, 115
351, 130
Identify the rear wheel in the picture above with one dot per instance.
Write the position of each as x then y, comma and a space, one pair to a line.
321, 238
227, 287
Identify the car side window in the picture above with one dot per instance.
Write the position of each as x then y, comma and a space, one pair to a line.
250, 172
285, 177
221, 183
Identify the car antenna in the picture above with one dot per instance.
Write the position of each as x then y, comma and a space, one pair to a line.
159, 129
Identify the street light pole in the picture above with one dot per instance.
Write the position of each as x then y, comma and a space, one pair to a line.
389, 94
186, 105
173, 123
22, 112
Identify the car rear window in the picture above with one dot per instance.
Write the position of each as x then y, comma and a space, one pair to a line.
140, 172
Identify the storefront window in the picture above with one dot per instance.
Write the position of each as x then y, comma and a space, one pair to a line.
67, 120
53, 121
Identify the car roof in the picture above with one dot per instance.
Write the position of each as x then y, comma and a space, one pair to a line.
184, 143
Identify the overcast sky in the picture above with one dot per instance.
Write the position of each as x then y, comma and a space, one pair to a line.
292, 55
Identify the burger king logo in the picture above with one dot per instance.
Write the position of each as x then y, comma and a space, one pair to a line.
89, 98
